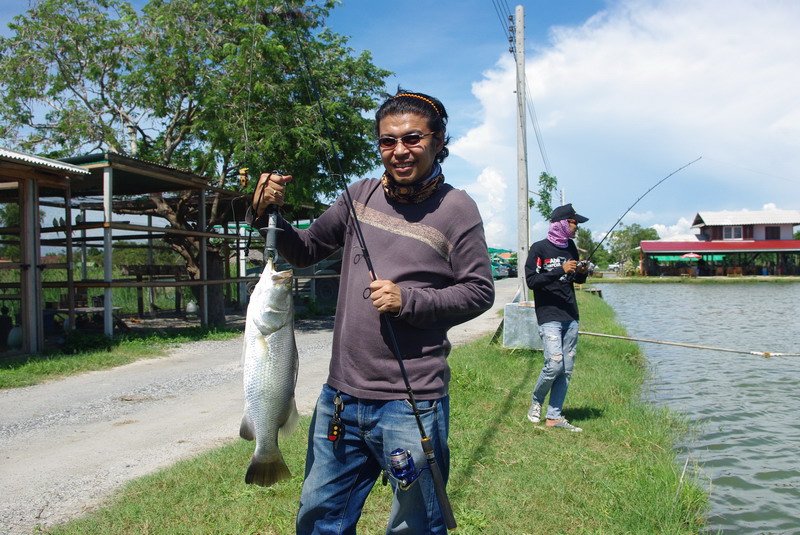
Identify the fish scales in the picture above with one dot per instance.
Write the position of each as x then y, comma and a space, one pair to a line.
270, 364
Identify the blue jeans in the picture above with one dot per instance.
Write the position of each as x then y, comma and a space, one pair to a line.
560, 341
338, 480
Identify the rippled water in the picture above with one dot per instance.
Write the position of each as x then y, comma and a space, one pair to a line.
745, 408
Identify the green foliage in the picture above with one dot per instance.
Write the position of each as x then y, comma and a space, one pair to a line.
205, 86
10, 217
623, 243
547, 186
82, 342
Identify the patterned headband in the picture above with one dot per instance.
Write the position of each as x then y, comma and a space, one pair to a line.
429, 101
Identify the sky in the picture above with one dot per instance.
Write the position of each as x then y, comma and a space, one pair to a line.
625, 92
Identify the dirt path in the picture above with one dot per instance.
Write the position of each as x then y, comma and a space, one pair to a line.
67, 445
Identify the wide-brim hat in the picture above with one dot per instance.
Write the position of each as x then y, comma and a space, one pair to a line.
567, 212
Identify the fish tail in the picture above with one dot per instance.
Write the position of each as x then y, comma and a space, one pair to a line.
267, 472
246, 429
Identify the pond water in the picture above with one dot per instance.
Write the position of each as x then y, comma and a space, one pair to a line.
745, 409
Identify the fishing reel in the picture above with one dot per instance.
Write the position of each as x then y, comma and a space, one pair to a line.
581, 264
402, 469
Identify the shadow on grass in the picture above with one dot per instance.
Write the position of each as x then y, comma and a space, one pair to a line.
583, 413
484, 444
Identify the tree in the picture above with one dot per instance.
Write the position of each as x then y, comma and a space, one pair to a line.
209, 87
10, 217
585, 243
624, 242
547, 185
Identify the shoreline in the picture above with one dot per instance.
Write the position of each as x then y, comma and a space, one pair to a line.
711, 279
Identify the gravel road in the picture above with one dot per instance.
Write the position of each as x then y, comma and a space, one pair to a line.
67, 445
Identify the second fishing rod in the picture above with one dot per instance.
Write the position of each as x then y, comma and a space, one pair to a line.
588, 259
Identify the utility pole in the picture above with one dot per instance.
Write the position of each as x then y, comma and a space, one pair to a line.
523, 210
519, 316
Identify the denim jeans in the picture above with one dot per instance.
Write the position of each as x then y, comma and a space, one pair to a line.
338, 480
560, 341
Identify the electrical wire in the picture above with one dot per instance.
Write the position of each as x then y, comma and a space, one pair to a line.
503, 10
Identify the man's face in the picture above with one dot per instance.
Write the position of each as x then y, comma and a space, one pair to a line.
573, 227
409, 163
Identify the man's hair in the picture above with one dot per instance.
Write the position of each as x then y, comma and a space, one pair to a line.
420, 104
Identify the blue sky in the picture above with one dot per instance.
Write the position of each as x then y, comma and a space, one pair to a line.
625, 91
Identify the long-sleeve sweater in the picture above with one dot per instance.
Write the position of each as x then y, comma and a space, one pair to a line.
553, 291
434, 251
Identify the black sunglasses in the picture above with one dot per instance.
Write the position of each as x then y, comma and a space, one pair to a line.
409, 140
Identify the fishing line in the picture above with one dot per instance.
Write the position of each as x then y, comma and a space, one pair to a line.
608, 233
427, 446
765, 354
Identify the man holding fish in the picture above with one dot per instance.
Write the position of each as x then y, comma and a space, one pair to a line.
426, 243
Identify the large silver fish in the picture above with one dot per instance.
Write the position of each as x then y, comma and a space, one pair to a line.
270, 367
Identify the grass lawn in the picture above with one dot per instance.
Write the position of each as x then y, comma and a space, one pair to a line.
508, 476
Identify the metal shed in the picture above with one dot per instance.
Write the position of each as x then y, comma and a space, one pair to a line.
22, 179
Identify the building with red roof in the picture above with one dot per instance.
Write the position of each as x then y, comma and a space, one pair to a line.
729, 243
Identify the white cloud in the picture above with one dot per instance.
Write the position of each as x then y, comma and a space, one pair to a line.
640, 90
681, 231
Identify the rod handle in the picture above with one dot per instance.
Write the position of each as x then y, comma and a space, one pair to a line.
271, 239
438, 484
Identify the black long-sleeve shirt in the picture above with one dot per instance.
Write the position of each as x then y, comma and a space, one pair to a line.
553, 291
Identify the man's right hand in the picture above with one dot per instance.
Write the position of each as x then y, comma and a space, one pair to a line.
269, 190
570, 266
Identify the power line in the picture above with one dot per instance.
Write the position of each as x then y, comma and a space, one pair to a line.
504, 13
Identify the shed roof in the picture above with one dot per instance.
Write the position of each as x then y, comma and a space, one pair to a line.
133, 176
747, 217
41, 162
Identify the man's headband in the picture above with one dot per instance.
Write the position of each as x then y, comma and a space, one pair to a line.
429, 101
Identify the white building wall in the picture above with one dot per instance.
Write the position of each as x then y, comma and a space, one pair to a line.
759, 232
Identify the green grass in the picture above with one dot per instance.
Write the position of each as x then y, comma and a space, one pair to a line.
89, 352
507, 475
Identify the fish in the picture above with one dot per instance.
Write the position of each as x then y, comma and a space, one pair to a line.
270, 365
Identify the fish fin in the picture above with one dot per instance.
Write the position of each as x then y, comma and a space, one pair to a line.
267, 473
246, 430
290, 424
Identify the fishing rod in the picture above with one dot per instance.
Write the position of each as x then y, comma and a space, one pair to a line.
401, 465
765, 354
607, 234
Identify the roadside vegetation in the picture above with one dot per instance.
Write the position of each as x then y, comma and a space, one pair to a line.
507, 475
84, 352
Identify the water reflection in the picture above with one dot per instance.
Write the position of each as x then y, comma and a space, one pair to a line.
745, 408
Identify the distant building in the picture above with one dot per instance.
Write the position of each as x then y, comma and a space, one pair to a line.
729, 243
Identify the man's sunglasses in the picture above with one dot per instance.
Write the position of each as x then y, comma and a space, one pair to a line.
409, 140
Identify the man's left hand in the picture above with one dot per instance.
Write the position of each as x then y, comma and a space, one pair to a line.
386, 296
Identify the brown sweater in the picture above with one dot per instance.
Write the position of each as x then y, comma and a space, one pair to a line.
435, 251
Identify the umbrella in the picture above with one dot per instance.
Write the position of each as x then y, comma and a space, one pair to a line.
691, 256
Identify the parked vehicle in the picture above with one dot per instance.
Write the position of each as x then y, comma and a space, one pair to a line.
499, 270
